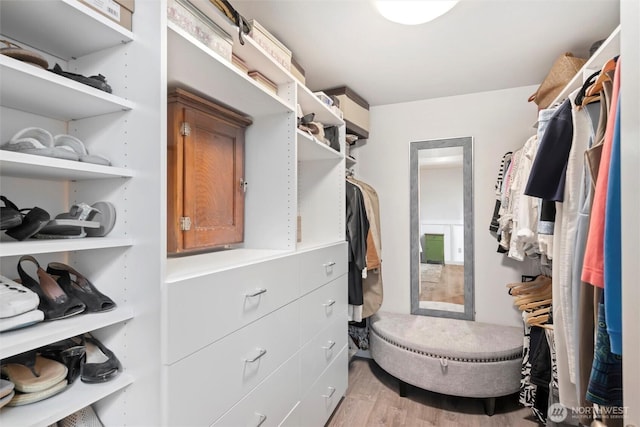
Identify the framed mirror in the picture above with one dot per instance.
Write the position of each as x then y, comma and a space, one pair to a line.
441, 192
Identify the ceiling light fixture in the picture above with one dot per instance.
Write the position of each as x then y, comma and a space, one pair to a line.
413, 12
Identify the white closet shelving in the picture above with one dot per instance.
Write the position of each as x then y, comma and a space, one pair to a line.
124, 126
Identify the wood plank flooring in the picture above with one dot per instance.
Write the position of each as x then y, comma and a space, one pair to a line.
372, 400
449, 289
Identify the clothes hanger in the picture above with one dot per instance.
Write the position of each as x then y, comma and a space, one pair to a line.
610, 65
536, 304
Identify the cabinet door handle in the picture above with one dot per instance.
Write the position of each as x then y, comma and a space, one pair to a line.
261, 352
329, 303
330, 346
261, 419
255, 293
329, 264
331, 391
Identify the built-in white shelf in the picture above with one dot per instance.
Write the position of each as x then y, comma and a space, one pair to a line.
193, 66
41, 334
72, 399
311, 104
22, 165
34, 90
84, 31
310, 148
41, 246
187, 267
609, 49
350, 161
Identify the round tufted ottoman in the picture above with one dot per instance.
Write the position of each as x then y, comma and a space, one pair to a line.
448, 356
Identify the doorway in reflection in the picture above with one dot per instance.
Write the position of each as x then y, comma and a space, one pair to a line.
441, 228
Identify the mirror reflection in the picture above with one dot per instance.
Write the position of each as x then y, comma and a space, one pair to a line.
441, 228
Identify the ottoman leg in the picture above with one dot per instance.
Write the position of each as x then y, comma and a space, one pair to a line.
490, 405
402, 391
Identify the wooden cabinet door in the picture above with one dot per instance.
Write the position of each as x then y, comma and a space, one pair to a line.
213, 177
205, 159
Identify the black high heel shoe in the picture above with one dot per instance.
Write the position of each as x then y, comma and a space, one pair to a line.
71, 352
101, 364
74, 283
54, 302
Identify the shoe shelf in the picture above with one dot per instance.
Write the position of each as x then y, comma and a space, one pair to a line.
41, 334
37, 246
311, 104
195, 67
78, 29
28, 88
20, 165
310, 148
350, 161
72, 399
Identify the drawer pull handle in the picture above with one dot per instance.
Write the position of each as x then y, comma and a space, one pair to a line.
255, 293
329, 303
331, 391
329, 264
330, 346
261, 419
261, 352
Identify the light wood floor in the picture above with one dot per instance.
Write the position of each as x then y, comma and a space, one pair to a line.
372, 400
450, 288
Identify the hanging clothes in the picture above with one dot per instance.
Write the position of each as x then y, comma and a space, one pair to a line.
372, 288
357, 227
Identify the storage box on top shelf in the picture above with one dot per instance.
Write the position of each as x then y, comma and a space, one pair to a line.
119, 11
297, 71
355, 110
270, 44
200, 26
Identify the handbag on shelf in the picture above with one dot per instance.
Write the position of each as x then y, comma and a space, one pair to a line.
561, 73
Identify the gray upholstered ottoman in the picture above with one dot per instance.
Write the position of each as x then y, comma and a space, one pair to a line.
448, 356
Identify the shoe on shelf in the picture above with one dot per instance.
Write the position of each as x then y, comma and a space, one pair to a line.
10, 215
71, 352
106, 216
74, 283
70, 224
101, 364
26, 398
30, 223
31, 373
39, 142
6, 399
16, 299
54, 302
21, 320
99, 81
79, 148
85, 417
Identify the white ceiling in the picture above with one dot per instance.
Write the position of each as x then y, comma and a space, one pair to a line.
479, 45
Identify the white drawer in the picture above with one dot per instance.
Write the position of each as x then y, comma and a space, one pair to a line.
201, 387
270, 402
321, 351
293, 419
204, 309
319, 403
320, 266
322, 306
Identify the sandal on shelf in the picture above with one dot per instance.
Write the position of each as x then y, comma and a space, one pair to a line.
70, 224
74, 283
98, 82
106, 216
38, 141
54, 302
31, 222
79, 148
39, 375
101, 364
26, 398
10, 215
15, 51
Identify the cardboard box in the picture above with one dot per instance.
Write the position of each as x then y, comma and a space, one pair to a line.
297, 71
355, 110
120, 11
274, 47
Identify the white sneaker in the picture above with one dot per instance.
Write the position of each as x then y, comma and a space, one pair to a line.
21, 320
16, 299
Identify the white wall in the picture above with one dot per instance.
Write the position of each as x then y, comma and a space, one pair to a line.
498, 121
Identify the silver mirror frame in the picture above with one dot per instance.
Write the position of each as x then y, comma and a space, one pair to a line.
467, 170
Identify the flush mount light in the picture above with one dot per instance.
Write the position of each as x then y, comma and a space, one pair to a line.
413, 12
